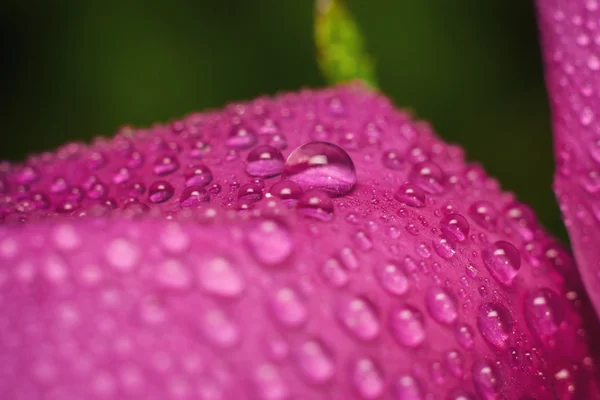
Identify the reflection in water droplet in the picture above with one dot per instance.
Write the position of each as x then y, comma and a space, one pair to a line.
160, 191
411, 195
264, 161
502, 260
455, 226
198, 174
358, 316
321, 165
270, 241
429, 176
406, 324
444, 247
495, 324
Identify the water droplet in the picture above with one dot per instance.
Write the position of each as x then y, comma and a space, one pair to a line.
289, 191
495, 324
264, 161
269, 383
502, 260
522, 220
198, 174
367, 379
459, 394
218, 277
193, 196
122, 254
165, 165
316, 204
349, 259
544, 312
444, 247
406, 387
315, 363
455, 226
392, 159
441, 305
391, 278
334, 273
429, 176
218, 328
358, 316
288, 307
241, 138
484, 214
486, 380
406, 324
464, 335
363, 241
270, 241
321, 165
250, 192
160, 191
454, 363
173, 275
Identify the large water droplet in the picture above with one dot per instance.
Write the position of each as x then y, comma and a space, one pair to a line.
411, 195
502, 260
367, 379
429, 176
218, 277
406, 387
288, 307
321, 165
358, 316
495, 324
455, 226
544, 312
486, 380
270, 241
406, 324
315, 363
441, 305
316, 204
160, 191
392, 278
264, 161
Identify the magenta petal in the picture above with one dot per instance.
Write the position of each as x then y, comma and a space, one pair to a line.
571, 43
415, 278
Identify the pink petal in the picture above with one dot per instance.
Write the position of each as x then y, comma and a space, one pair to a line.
423, 280
571, 38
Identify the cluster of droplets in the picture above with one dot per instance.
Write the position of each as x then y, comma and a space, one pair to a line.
430, 259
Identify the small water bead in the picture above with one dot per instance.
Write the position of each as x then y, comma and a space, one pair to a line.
219, 329
359, 317
392, 159
317, 205
544, 312
136, 189
250, 192
198, 174
315, 362
215, 188
411, 195
193, 196
288, 307
454, 362
441, 305
406, 324
484, 214
406, 387
241, 138
218, 277
391, 278
367, 379
459, 394
444, 247
464, 335
278, 141
455, 226
321, 165
487, 380
289, 191
495, 324
264, 161
172, 274
429, 176
122, 175
333, 272
165, 165
269, 383
270, 241
502, 260
160, 191
363, 241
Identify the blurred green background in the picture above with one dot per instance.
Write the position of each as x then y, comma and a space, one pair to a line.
76, 69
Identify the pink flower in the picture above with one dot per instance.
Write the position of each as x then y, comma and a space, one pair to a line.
318, 245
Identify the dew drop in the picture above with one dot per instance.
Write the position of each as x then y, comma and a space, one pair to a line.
455, 226
264, 161
406, 387
544, 312
165, 165
241, 138
193, 196
486, 380
250, 192
172, 274
464, 336
219, 329
406, 324
288, 191
198, 175
367, 379
122, 254
429, 176
358, 316
270, 241
484, 214
321, 165
454, 363
288, 307
315, 363
495, 324
363, 241
522, 220
392, 159
218, 277
160, 191
502, 260
269, 383
441, 305
334, 273
391, 278
444, 247
411, 195
317, 205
